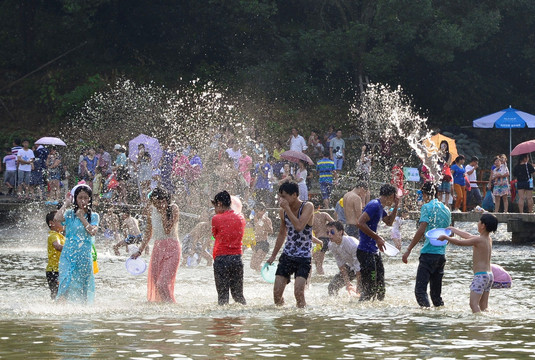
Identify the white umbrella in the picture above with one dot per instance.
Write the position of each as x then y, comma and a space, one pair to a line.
50, 141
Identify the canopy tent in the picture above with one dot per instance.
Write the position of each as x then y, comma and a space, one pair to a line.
506, 119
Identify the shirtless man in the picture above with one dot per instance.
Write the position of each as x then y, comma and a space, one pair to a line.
263, 227
353, 207
199, 240
321, 219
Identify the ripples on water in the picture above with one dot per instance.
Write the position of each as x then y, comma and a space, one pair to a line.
122, 324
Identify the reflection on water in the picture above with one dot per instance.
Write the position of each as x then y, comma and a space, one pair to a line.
122, 324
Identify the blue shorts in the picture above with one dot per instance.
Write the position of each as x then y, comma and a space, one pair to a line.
326, 189
444, 187
24, 177
10, 177
133, 239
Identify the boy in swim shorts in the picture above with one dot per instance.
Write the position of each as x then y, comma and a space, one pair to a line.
133, 234
482, 244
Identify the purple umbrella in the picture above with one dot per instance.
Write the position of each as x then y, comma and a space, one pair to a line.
152, 146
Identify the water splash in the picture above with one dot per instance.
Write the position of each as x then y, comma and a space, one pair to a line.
385, 119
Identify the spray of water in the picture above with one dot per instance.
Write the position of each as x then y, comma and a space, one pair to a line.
385, 120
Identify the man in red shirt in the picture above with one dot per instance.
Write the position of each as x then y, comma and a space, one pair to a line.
228, 228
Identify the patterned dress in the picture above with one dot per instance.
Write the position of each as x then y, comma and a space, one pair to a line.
500, 185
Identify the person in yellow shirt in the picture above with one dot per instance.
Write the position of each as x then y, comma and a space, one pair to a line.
55, 244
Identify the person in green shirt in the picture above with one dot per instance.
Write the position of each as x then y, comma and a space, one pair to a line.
433, 215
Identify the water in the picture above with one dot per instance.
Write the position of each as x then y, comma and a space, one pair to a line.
121, 324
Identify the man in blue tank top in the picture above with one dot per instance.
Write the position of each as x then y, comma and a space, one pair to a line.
371, 265
296, 218
433, 215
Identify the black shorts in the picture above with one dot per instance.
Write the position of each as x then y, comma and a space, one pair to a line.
288, 265
523, 185
325, 246
262, 245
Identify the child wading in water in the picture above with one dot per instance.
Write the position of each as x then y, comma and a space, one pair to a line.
133, 234
483, 278
55, 245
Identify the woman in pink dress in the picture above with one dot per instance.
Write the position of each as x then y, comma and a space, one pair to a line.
162, 226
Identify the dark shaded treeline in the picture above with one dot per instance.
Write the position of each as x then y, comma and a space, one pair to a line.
458, 59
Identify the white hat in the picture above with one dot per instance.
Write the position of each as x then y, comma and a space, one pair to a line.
77, 186
117, 147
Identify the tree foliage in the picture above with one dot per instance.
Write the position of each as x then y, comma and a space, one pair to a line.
457, 59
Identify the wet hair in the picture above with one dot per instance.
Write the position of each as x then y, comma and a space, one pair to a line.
336, 224
50, 217
490, 221
459, 158
387, 190
474, 158
316, 202
161, 194
362, 183
223, 198
289, 187
260, 206
89, 192
429, 189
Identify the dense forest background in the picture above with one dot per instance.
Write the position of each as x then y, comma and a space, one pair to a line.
298, 61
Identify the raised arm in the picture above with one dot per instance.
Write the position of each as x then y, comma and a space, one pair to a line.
306, 216
60, 214
389, 219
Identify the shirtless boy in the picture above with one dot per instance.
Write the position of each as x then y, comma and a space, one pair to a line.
483, 278
353, 201
321, 219
133, 234
263, 227
296, 218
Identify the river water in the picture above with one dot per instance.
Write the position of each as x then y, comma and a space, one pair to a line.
121, 324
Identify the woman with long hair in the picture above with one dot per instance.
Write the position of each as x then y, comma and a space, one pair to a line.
76, 279
523, 172
162, 226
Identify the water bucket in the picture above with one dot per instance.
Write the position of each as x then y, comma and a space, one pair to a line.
391, 250
136, 266
433, 235
268, 272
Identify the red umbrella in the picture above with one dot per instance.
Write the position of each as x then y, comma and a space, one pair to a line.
524, 148
295, 156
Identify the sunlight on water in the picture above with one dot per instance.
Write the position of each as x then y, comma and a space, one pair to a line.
122, 324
